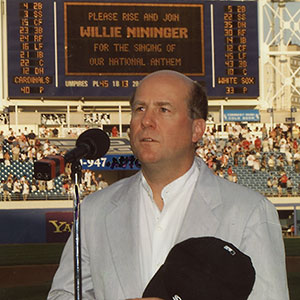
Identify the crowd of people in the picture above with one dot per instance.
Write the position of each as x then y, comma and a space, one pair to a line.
27, 147
257, 149
254, 148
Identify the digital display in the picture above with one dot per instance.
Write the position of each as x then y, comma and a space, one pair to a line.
92, 49
236, 79
133, 39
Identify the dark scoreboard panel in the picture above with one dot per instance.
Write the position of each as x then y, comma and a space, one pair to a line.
92, 49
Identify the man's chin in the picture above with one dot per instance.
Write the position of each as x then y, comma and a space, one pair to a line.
148, 159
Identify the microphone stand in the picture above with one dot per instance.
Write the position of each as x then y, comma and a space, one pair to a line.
76, 173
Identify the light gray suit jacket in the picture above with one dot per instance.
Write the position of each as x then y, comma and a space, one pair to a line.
109, 226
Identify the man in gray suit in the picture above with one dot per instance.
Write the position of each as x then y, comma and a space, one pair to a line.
129, 227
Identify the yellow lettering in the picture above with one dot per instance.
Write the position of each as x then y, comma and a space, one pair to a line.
57, 225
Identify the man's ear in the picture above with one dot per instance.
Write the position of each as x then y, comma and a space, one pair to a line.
199, 126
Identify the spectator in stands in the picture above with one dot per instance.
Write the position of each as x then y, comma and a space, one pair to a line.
265, 145
297, 161
279, 190
256, 165
22, 140
264, 132
98, 178
209, 161
2, 137
280, 163
87, 179
269, 183
102, 184
289, 158
276, 145
31, 138
221, 144
275, 184
234, 177
224, 159
11, 138
25, 190
42, 131
94, 183
271, 163
7, 159
23, 156
105, 119
16, 152
285, 129
50, 185
250, 160
72, 134
271, 143
243, 158
296, 132
264, 162
229, 171
33, 186
283, 144
7, 188
55, 132
66, 187
236, 159
38, 143
289, 186
31, 154
46, 145
23, 179
40, 154
25, 132
1, 189
16, 188
41, 185
114, 131
283, 180
1, 154
245, 144
257, 144
295, 146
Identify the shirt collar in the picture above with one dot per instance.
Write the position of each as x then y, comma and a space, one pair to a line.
175, 186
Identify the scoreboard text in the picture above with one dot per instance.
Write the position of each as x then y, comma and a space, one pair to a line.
83, 49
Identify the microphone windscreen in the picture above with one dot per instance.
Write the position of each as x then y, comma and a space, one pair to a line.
97, 141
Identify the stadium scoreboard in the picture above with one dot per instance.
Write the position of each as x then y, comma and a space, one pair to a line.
92, 49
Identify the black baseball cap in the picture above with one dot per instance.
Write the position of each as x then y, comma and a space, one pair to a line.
204, 268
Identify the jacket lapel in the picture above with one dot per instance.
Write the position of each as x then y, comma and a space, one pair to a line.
122, 230
201, 217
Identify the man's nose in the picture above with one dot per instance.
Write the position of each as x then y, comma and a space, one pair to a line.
148, 119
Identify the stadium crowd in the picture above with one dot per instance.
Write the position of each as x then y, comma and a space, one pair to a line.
274, 152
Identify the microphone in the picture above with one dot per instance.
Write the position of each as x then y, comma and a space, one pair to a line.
91, 144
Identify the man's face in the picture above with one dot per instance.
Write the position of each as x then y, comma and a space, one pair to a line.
161, 130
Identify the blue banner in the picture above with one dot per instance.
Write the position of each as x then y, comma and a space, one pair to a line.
18, 226
112, 162
245, 115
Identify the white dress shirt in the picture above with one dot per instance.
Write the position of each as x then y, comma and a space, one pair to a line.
159, 229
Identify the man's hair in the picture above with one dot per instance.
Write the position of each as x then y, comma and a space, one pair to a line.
197, 102
131, 100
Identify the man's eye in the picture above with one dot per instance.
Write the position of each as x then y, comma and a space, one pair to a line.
140, 108
163, 109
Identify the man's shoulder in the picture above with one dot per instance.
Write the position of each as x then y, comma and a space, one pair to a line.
228, 192
112, 193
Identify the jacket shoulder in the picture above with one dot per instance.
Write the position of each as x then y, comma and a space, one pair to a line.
110, 195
